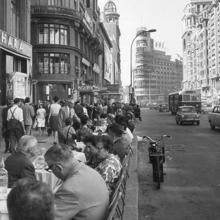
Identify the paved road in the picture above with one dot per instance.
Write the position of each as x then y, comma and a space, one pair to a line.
191, 190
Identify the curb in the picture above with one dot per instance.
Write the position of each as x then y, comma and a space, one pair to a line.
131, 198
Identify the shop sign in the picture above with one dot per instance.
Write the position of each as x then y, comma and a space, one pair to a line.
85, 61
96, 68
88, 22
10, 42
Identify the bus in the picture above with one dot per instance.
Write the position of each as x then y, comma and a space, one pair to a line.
184, 97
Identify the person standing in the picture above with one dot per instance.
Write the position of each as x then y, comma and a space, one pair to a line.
15, 123
28, 112
5, 132
53, 119
40, 119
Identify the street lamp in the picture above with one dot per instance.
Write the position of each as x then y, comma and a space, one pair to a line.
131, 89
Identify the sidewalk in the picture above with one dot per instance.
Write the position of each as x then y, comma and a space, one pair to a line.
131, 199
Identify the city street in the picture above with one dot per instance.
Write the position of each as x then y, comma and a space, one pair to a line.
191, 190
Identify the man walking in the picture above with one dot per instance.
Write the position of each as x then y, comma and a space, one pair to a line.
15, 121
28, 112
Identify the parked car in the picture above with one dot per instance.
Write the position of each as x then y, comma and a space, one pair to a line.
187, 114
214, 117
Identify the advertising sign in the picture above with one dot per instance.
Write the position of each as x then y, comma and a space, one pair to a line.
108, 64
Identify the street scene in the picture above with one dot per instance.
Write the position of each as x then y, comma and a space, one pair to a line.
191, 188
109, 110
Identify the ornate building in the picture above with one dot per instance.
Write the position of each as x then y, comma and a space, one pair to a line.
66, 49
112, 71
155, 74
195, 47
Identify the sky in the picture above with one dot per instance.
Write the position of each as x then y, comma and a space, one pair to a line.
164, 16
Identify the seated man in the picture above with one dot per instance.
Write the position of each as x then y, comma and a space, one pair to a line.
19, 164
120, 143
30, 200
83, 193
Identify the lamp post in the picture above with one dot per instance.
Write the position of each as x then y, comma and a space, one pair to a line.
131, 89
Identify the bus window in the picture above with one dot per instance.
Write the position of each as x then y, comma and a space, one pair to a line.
186, 98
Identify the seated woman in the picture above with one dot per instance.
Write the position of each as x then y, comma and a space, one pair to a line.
109, 166
84, 130
91, 151
121, 144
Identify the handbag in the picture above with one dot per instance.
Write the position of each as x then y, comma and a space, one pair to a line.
35, 123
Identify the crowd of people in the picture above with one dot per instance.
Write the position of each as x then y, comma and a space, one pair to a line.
104, 133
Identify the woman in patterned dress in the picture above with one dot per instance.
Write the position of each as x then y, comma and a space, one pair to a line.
109, 166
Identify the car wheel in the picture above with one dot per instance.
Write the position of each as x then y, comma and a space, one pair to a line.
198, 123
212, 126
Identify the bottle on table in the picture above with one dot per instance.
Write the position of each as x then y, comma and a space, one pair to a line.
3, 180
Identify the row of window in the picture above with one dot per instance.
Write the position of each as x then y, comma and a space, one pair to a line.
59, 35
54, 63
53, 34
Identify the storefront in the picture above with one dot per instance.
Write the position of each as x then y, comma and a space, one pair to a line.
15, 68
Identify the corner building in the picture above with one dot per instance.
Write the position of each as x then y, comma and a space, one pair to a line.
66, 49
155, 75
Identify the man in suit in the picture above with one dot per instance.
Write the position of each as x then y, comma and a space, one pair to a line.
19, 164
28, 112
83, 193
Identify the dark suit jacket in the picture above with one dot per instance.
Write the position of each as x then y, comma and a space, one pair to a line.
18, 167
82, 196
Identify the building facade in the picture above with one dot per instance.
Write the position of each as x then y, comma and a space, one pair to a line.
67, 48
112, 74
15, 50
214, 52
155, 74
195, 48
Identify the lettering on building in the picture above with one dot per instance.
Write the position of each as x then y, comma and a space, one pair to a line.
10, 41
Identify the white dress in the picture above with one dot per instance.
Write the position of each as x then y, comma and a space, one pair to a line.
41, 113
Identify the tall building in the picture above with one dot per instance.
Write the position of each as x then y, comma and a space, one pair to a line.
214, 52
15, 50
155, 75
112, 74
195, 47
66, 49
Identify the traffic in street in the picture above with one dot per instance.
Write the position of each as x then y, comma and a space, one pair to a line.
191, 187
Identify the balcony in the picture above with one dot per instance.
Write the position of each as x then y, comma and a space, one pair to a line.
47, 11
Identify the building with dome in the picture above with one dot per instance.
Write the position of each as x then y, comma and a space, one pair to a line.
112, 70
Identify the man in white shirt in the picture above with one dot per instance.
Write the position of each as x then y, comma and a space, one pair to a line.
15, 133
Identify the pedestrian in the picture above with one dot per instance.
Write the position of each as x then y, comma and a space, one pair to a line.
28, 114
5, 132
15, 123
53, 117
40, 119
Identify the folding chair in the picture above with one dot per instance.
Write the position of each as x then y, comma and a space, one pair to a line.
115, 211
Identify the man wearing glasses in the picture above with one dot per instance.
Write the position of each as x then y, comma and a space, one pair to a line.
83, 193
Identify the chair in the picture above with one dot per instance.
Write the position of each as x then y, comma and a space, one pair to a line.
115, 211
